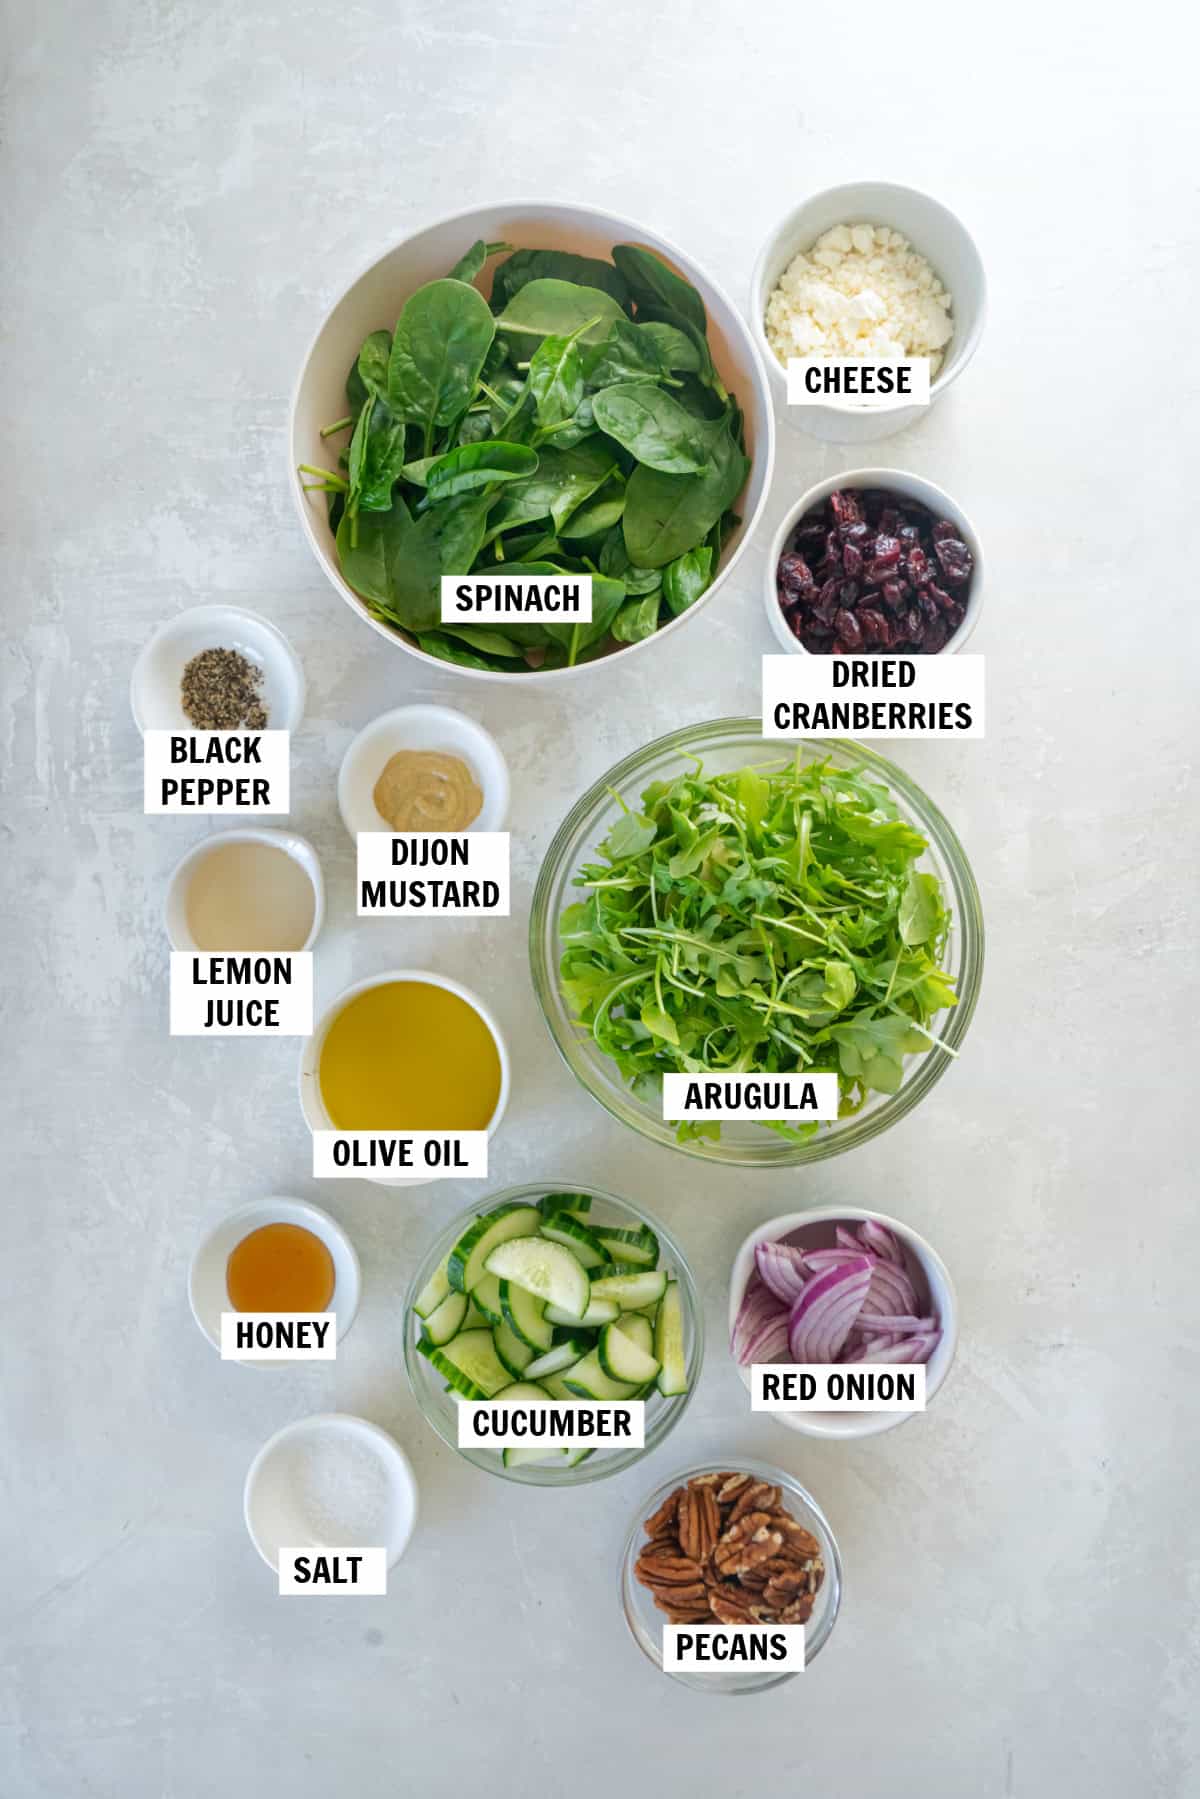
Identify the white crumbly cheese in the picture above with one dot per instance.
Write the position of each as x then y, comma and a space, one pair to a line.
862, 290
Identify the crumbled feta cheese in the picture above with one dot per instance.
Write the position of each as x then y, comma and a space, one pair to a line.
861, 290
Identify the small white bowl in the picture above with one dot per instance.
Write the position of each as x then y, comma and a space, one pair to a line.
374, 299
934, 232
311, 1102
273, 1514
154, 689
420, 728
817, 1227
298, 848
208, 1294
912, 487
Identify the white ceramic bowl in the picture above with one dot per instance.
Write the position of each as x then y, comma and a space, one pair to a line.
373, 301
420, 728
925, 1267
154, 687
311, 1102
209, 1296
298, 848
912, 487
935, 232
274, 1516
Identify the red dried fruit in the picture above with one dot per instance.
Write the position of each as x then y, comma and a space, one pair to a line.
848, 629
848, 593
852, 561
943, 530
917, 566
956, 560
794, 580
892, 595
875, 628
889, 521
845, 507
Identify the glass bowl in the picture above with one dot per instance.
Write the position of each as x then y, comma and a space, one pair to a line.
645, 1621
662, 1415
722, 745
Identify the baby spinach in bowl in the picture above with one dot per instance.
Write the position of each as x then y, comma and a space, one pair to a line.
541, 399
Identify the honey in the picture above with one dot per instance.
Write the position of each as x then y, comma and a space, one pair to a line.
280, 1268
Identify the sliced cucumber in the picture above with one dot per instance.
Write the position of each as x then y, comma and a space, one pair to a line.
486, 1295
587, 1380
623, 1360
639, 1247
526, 1317
546, 1270
556, 1386
632, 1291
448, 1318
469, 1363
522, 1389
514, 1354
466, 1262
587, 1248
475, 1320
573, 1457
596, 1312
638, 1328
433, 1292
564, 1202
668, 1343
563, 1355
529, 1455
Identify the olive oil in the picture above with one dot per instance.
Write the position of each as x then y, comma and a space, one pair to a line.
408, 1056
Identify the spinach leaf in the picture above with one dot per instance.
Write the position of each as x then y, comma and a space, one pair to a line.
637, 618
444, 333
369, 369
469, 265
614, 560
674, 348
376, 457
626, 354
475, 465
564, 480
397, 563
607, 597
598, 514
488, 641
448, 649
666, 515
685, 579
653, 284
558, 309
648, 423
556, 379
524, 266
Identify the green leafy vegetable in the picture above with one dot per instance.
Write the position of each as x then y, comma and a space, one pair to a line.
769, 920
574, 425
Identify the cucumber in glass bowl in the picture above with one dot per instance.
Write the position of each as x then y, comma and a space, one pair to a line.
557, 1292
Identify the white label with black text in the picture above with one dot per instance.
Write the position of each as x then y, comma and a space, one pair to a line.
278, 1336
838, 1387
419, 1155
749, 1098
733, 1648
564, 599
239, 994
231, 772
858, 383
873, 696
556, 1424
433, 874
326, 1571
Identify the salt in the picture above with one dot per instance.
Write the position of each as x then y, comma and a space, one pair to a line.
341, 1489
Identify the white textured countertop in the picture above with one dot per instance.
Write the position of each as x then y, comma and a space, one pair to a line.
185, 188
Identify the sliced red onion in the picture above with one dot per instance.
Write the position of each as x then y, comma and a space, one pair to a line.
824, 1315
902, 1349
845, 1239
821, 1259
879, 1324
762, 1322
783, 1269
891, 1292
880, 1241
857, 1345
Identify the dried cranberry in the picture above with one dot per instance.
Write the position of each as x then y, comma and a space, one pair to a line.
891, 595
928, 605
875, 628
942, 530
941, 596
844, 507
825, 604
956, 559
857, 533
912, 624
833, 547
852, 561
887, 550
908, 535
917, 566
794, 580
848, 629
936, 637
848, 593
889, 521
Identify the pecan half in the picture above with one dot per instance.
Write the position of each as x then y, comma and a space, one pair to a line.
746, 1544
732, 1607
799, 1611
699, 1523
734, 1486
759, 1496
664, 1517
678, 1570
795, 1537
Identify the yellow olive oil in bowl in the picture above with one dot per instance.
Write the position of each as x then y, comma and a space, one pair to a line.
408, 1055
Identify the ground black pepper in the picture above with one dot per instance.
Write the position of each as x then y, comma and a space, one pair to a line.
220, 692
